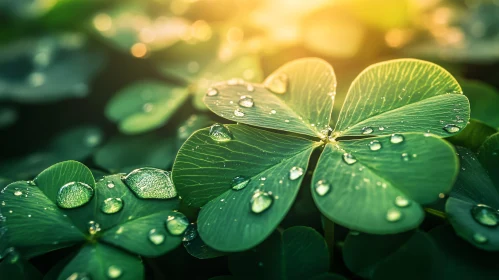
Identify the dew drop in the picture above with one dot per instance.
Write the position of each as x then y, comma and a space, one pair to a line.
322, 187
156, 237
212, 92
110, 184
220, 133
250, 88
261, 201
74, 194
246, 101
190, 233
114, 272
79, 276
18, 193
367, 130
393, 215
349, 158
396, 138
374, 145
112, 205
405, 157
480, 238
176, 223
151, 183
485, 215
295, 172
93, 227
273, 112
277, 83
451, 128
239, 182
238, 112
401, 201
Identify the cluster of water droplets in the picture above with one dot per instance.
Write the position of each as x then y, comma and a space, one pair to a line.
485, 216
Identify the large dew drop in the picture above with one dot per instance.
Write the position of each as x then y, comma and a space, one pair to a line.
246, 101
151, 183
451, 128
393, 215
396, 138
74, 194
374, 145
485, 215
212, 92
295, 172
112, 205
176, 223
261, 201
349, 158
156, 237
367, 130
277, 83
220, 133
401, 201
114, 272
322, 187
239, 182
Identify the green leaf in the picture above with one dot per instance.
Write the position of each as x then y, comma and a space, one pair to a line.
62, 68
484, 101
460, 260
101, 262
14, 267
144, 106
304, 107
198, 249
204, 170
243, 67
73, 144
488, 154
297, 253
363, 196
24, 209
473, 135
125, 153
403, 95
473, 187
409, 255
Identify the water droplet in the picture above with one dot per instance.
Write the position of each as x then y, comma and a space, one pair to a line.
18, 193
176, 223
374, 145
485, 215
238, 112
451, 128
250, 88
235, 81
396, 138
74, 194
273, 112
112, 205
36, 79
148, 107
405, 157
212, 92
261, 201
277, 83
156, 237
239, 182
393, 215
381, 128
246, 101
295, 172
190, 233
349, 158
93, 227
151, 183
220, 133
10, 254
114, 272
79, 276
322, 187
367, 130
110, 184
401, 201
480, 238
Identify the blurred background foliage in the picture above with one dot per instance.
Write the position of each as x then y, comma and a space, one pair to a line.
117, 84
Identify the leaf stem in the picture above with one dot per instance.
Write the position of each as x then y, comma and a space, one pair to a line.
435, 212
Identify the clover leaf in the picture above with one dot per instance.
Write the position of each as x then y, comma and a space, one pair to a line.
473, 204
111, 218
371, 184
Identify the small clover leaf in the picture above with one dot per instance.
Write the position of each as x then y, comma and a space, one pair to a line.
368, 184
66, 206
